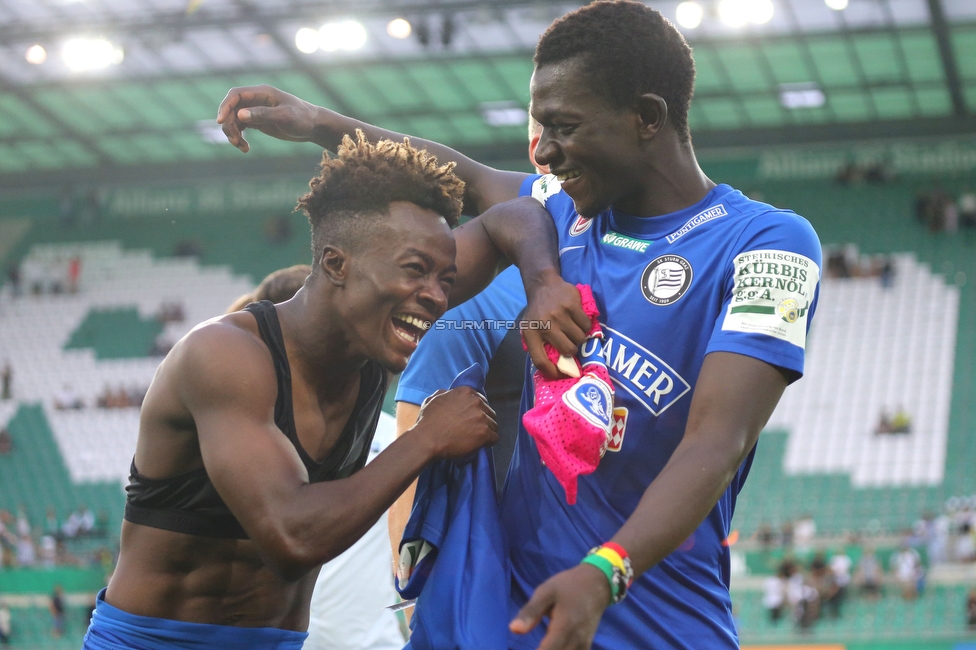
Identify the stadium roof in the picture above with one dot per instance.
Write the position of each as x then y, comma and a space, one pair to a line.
878, 68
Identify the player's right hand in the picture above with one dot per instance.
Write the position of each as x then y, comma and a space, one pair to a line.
268, 110
457, 422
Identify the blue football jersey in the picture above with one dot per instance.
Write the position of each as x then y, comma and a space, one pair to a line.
727, 274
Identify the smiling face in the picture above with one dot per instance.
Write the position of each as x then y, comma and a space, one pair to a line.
398, 283
595, 149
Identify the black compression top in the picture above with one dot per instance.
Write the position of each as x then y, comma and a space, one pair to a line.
189, 503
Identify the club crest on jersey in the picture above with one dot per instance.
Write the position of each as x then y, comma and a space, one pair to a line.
581, 225
666, 279
593, 399
615, 438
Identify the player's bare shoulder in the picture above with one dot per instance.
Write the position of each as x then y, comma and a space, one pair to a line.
220, 360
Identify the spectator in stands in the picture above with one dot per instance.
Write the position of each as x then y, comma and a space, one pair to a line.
171, 311
786, 535
965, 543
86, 520
51, 525
823, 580
26, 554
48, 552
6, 381
14, 278
5, 622
906, 564
886, 272
971, 609
23, 522
6, 442
803, 599
901, 422
840, 566
967, 208
869, 573
57, 612
804, 530
188, 247
101, 524
774, 592
74, 273
67, 398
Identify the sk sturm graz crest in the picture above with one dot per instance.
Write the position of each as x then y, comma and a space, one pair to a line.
666, 279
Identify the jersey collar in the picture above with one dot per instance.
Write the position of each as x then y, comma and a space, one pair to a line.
654, 228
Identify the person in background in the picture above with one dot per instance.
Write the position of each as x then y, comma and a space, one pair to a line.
5, 622
57, 612
6, 442
774, 592
840, 566
6, 381
870, 574
971, 609
906, 564
967, 208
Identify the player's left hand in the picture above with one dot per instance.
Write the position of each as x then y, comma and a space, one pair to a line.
555, 304
574, 601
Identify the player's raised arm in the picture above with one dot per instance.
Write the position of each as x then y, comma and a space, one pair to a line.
259, 475
287, 117
733, 399
522, 231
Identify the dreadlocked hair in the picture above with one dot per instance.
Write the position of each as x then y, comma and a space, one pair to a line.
363, 179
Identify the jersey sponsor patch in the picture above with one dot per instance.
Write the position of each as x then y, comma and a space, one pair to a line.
641, 373
544, 187
772, 295
623, 241
666, 279
704, 216
581, 225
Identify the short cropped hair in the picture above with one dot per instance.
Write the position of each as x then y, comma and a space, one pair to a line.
278, 286
361, 182
627, 49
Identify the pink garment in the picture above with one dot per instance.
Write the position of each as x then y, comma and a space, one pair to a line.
572, 418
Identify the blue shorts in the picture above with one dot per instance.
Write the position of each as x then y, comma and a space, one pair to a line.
113, 629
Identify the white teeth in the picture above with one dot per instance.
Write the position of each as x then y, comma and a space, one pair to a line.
569, 175
413, 320
410, 338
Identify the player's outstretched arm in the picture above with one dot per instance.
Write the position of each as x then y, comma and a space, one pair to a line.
230, 388
287, 117
734, 397
522, 231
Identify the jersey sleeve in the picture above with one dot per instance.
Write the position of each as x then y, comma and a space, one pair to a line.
468, 334
771, 286
547, 190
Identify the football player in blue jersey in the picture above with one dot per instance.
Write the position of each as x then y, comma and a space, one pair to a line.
705, 299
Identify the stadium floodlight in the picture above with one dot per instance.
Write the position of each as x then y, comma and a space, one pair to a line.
399, 28
307, 40
505, 113
36, 54
836, 5
345, 35
807, 94
737, 13
82, 54
689, 14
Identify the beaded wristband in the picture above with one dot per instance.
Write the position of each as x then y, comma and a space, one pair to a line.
615, 566
608, 570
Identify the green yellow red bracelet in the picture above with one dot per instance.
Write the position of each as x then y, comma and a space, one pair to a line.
613, 561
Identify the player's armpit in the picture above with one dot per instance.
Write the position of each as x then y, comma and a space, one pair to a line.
734, 397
